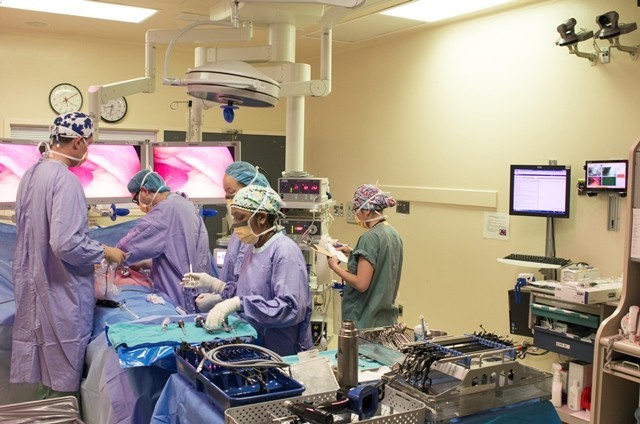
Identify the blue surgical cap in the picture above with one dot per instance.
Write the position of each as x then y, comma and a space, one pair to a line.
152, 182
244, 172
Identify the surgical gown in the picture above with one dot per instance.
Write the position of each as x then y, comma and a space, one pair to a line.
173, 235
273, 286
233, 260
53, 268
382, 247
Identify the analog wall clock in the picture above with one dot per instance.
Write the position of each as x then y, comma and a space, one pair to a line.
114, 110
65, 98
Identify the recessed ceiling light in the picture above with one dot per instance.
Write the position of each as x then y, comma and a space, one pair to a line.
84, 8
437, 10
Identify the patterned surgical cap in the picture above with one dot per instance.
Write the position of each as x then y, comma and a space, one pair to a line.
372, 198
72, 125
253, 197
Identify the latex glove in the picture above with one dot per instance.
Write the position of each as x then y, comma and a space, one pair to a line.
221, 311
203, 280
206, 301
113, 254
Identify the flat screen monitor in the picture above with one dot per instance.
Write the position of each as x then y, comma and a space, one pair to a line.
16, 156
540, 190
606, 175
104, 175
195, 168
108, 169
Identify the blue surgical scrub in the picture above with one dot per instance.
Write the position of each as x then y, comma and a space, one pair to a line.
273, 286
53, 278
173, 235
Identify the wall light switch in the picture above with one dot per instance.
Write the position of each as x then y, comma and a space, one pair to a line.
403, 207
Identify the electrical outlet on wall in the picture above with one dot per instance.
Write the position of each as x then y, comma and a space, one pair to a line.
338, 209
351, 217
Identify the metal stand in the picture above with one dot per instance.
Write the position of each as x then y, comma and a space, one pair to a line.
550, 250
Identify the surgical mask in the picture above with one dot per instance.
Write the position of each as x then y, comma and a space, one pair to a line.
245, 232
49, 153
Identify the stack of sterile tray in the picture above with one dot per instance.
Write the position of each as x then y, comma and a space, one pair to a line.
398, 408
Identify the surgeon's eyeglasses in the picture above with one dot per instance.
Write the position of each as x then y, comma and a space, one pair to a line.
135, 198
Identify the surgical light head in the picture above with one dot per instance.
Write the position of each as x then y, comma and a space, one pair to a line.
568, 35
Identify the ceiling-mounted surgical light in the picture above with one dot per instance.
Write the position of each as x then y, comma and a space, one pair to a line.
570, 38
232, 83
611, 30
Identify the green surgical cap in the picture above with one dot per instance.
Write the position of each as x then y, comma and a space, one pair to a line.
152, 182
244, 173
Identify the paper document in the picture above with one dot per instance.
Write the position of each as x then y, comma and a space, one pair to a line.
635, 234
329, 250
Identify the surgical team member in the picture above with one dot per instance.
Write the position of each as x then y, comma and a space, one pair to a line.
171, 233
373, 272
237, 175
53, 265
272, 292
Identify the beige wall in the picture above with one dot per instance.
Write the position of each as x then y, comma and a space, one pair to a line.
451, 107
31, 66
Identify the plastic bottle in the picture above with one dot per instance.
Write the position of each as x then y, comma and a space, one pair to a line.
556, 386
573, 398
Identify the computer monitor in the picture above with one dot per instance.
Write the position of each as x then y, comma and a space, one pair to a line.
108, 169
606, 175
195, 168
104, 175
540, 190
16, 156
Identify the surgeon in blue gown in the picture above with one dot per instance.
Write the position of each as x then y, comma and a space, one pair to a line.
272, 291
237, 175
172, 234
53, 265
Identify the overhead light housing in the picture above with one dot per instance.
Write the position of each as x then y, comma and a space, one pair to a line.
232, 83
83, 8
437, 10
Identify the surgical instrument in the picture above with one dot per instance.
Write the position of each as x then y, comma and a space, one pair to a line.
165, 323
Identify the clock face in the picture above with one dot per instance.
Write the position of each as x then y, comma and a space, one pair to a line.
65, 98
114, 110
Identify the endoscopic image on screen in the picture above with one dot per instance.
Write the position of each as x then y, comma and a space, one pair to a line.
15, 159
194, 170
107, 170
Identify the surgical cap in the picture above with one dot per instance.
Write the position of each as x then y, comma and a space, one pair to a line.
244, 173
372, 198
153, 182
256, 198
72, 125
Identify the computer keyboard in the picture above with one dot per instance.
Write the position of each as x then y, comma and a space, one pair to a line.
535, 261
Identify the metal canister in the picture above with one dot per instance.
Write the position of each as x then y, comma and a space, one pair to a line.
348, 355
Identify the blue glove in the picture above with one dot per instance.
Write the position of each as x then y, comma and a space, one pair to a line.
219, 313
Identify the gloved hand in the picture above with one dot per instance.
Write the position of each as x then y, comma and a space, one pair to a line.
219, 312
203, 280
206, 301
113, 254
